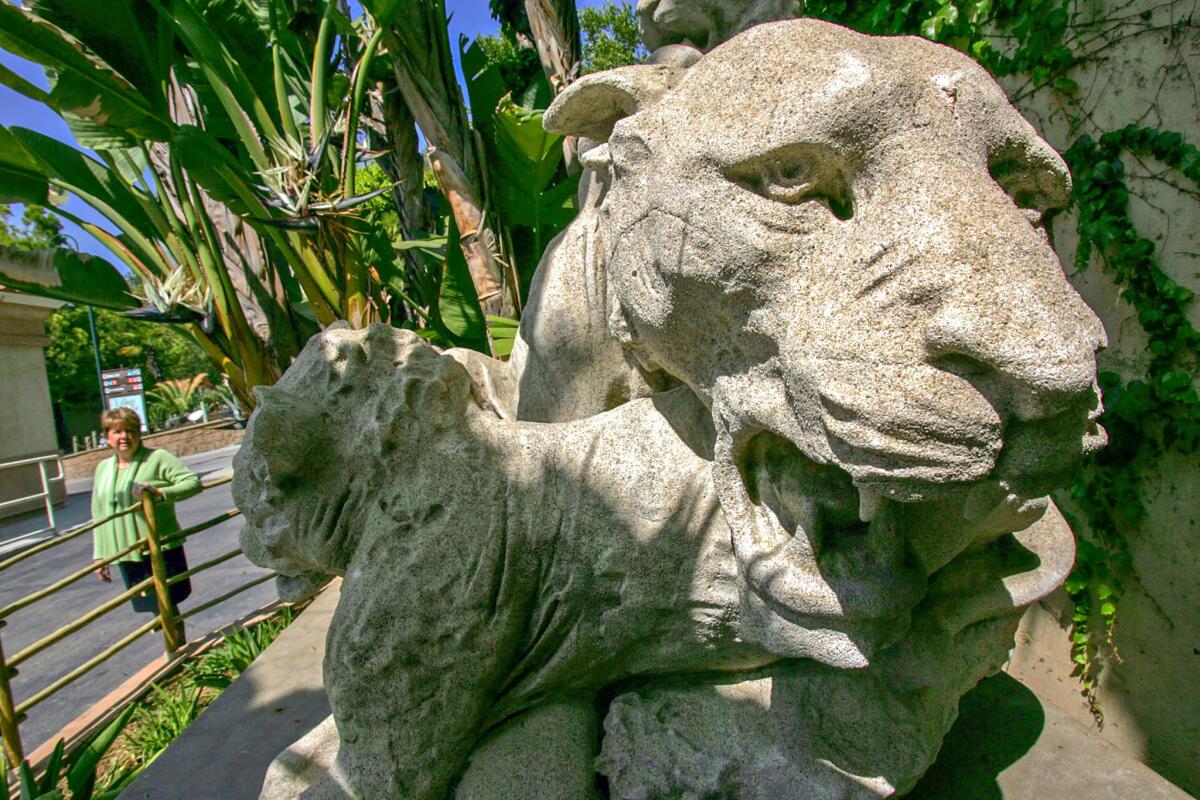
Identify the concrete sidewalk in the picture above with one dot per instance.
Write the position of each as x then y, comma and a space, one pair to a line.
1006, 745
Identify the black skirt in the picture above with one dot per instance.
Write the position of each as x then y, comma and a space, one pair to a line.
134, 572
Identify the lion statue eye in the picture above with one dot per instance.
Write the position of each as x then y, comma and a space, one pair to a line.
795, 175
788, 183
1033, 178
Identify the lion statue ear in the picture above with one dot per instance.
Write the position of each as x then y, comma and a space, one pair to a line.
592, 105
272, 432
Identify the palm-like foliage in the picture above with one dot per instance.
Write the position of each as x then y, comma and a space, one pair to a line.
76, 770
219, 397
228, 136
237, 651
174, 398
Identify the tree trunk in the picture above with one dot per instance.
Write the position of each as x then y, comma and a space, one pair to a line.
420, 48
278, 334
555, 26
404, 164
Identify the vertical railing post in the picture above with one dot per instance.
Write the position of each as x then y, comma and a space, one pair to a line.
167, 613
8, 716
46, 496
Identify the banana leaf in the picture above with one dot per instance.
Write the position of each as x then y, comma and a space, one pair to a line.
458, 306
240, 98
504, 333
535, 199
435, 247
21, 86
84, 85
202, 155
86, 177
383, 11
21, 178
485, 87
532, 196
126, 34
98, 137
130, 163
244, 29
525, 166
63, 274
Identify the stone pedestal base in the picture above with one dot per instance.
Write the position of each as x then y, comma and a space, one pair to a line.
1005, 744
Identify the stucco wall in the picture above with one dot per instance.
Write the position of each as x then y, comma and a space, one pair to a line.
27, 420
1150, 699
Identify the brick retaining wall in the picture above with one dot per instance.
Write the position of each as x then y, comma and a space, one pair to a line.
180, 441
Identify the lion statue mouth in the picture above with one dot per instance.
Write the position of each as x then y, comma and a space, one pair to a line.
840, 549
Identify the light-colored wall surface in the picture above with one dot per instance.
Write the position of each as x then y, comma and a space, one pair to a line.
1150, 699
27, 420
27, 425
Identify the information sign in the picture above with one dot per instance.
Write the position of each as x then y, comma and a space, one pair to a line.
123, 388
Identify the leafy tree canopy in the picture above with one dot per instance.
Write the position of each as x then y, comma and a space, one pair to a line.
511, 16
610, 36
37, 228
162, 352
518, 64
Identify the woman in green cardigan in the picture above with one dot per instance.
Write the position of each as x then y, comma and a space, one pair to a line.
119, 483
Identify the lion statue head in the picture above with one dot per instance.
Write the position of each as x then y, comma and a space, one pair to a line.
839, 243
359, 400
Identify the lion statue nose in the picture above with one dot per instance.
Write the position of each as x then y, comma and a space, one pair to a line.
1020, 334
1029, 359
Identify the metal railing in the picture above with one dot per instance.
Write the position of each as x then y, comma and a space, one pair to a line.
168, 620
44, 495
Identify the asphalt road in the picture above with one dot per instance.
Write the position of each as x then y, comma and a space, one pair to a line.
30, 624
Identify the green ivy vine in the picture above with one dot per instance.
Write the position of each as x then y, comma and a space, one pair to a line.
1146, 416
1032, 42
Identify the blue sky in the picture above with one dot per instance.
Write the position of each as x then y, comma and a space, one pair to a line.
467, 17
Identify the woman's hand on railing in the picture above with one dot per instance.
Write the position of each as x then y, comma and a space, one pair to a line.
146, 487
103, 573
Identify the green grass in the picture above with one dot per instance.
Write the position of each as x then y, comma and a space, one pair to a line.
164, 712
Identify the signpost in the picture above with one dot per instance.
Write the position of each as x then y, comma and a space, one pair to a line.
123, 387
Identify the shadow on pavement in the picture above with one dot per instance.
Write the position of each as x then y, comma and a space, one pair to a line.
998, 722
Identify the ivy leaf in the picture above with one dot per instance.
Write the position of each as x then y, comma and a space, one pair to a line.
1075, 585
1190, 162
945, 17
1177, 386
1066, 86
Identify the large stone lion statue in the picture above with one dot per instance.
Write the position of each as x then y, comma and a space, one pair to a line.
761, 492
